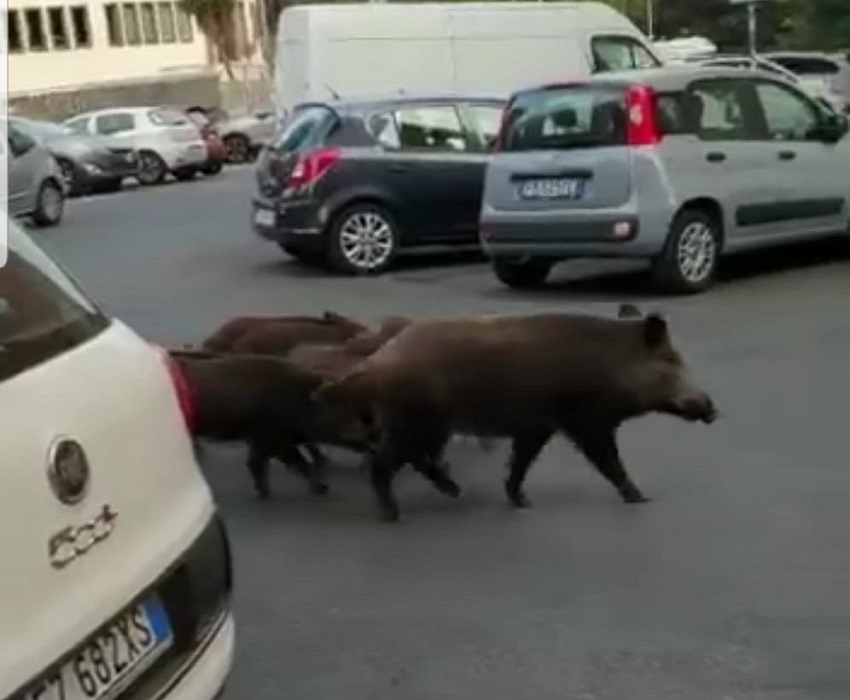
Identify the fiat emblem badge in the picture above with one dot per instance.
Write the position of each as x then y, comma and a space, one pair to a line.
68, 471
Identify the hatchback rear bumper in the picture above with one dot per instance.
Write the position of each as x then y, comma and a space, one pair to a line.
295, 223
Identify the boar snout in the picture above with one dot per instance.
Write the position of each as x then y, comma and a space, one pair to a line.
697, 407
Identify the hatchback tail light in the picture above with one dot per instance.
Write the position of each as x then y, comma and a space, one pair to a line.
311, 166
641, 121
182, 390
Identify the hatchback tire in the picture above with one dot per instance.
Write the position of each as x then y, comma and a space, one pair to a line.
50, 204
363, 240
238, 148
185, 174
689, 262
152, 168
213, 168
522, 273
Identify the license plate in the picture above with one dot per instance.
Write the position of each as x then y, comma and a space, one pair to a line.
107, 663
551, 188
264, 217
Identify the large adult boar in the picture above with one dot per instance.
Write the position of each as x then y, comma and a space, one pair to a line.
277, 335
523, 378
267, 403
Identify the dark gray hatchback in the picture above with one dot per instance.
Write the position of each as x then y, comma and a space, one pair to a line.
353, 183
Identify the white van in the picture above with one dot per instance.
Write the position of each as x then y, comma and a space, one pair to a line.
481, 47
116, 576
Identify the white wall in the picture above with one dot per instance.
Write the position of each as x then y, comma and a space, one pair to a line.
36, 71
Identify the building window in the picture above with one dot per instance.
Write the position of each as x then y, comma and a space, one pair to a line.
114, 26
132, 31
15, 38
184, 27
80, 27
149, 28
166, 22
58, 28
36, 37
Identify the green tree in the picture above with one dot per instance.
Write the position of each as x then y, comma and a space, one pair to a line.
215, 20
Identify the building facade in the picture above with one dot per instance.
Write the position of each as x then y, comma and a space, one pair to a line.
57, 45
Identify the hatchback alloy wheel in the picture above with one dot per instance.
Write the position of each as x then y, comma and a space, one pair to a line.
688, 263
696, 252
364, 240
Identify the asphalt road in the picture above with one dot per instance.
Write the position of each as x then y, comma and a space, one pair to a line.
732, 584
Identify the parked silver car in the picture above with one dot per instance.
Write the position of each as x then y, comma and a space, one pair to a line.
829, 75
35, 181
243, 135
165, 139
87, 163
676, 165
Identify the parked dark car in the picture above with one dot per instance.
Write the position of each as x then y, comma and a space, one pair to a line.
87, 164
354, 183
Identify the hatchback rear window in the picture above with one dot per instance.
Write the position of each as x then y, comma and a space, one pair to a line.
306, 129
43, 314
167, 117
807, 66
564, 118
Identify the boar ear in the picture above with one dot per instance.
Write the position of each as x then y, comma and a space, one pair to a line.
629, 311
655, 330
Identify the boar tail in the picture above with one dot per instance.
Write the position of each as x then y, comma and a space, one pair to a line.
351, 389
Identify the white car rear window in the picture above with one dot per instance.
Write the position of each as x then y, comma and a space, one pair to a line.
43, 313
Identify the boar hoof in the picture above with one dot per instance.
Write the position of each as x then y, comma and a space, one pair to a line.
516, 496
319, 489
634, 496
262, 493
450, 488
390, 515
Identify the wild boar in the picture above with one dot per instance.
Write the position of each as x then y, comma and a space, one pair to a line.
277, 335
267, 403
520, 377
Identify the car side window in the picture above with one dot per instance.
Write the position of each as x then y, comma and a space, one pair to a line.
78, 126
723, 110
42, 312
114, 123
435, 128
788, 116
487, 121
616, 53
672, 114
382, 126
19, 142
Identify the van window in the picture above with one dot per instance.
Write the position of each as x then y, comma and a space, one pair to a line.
306, 129
42, 312
617, 53
563, 118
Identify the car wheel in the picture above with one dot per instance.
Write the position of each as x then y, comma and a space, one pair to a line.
185, 174
69, 178
522, 273
363, 240
152, 168
50, 204
212, 168
688, 264
238, 148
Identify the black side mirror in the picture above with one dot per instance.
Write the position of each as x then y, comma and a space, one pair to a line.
833, 127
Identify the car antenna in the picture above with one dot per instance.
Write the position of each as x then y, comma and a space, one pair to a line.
333, 92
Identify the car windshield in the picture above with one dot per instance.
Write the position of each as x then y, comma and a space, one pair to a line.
564, 118
43, 313
305, 129
41, 130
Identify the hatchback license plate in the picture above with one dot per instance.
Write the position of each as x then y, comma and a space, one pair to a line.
264, 217
551, 188
104, 665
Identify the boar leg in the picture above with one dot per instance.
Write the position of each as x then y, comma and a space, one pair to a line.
435, 470
600, 447
258, 466
316, 454
524, 450
383, 468
291, 456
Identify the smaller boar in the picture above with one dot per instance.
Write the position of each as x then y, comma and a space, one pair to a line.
277, 335
267, 403
523, 378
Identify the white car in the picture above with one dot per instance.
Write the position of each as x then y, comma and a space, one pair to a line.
116, 578
165, 139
